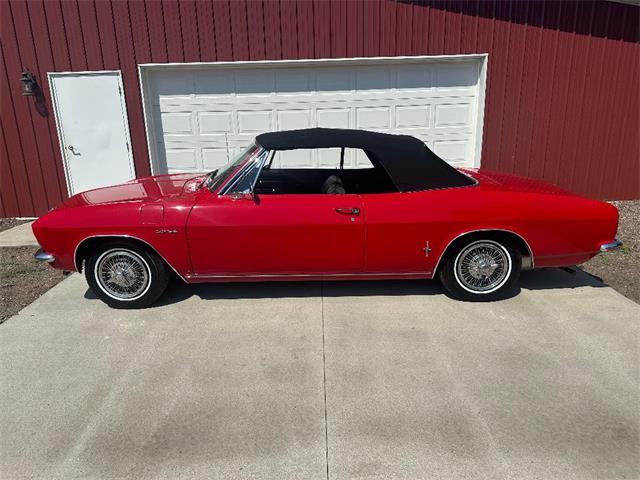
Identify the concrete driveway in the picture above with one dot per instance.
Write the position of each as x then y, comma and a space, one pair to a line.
339, 380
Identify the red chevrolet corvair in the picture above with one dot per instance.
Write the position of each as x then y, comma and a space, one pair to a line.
379, 206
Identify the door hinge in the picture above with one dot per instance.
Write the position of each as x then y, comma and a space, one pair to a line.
427, 249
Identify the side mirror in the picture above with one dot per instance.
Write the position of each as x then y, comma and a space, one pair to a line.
243, 196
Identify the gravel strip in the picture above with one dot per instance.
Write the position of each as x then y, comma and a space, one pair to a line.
7, 223
22, 279
621, 269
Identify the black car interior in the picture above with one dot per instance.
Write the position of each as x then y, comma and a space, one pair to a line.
320, 180
338, 180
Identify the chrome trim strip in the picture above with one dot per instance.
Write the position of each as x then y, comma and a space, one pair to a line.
75, 251
43, 256
485, 230
306, 275
610, 246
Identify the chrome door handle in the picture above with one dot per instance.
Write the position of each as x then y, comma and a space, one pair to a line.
348, 211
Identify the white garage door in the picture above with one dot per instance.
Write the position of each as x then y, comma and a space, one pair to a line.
200, 116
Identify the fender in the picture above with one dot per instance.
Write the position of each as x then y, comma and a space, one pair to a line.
132, 237
526, 264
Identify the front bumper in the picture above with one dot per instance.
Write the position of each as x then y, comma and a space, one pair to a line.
609, 246
43, 256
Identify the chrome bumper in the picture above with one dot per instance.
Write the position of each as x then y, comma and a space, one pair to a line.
43, 256
607, 247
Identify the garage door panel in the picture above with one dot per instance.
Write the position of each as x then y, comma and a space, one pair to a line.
453, 151
181, 159
255, 121
202, 116
215, 122
333, 117
429, 139
371, 79
213, 158
177, 122
214, 83
456, 75
303, 158
458, 114
292, 119
204, 104
373, 117
259, 83
412, 116
413, 77
195, 140
331, 81
171, 83
294, 82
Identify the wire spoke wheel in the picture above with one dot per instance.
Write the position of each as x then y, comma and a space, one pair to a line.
122, 274
482, 267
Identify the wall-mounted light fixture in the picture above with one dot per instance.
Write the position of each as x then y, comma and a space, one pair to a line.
30, 88
29, 84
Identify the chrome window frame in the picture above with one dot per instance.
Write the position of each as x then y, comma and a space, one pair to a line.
223, 185
259, 158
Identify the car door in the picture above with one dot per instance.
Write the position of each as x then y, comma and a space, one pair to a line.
399, 233
306, 234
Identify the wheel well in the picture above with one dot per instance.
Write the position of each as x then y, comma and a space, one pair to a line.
505, 237
88, 245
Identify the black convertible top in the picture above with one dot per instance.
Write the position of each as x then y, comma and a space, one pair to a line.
408, 161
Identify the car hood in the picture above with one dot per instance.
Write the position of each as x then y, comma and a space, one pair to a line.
507, 181
141, 189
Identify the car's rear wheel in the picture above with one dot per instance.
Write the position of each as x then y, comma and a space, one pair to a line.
126, 276
481, 270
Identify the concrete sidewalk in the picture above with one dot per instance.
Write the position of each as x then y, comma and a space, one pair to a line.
309, 380
18, 236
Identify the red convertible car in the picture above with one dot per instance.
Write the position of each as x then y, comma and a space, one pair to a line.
378, 206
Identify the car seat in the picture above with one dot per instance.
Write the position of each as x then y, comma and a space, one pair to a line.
333, 185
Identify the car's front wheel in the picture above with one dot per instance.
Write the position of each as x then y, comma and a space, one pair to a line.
126, 276
481, 270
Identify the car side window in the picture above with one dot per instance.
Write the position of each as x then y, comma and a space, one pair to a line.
321, 158
247, 178
325, 171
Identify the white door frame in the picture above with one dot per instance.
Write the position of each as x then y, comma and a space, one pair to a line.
59, 129
482, 58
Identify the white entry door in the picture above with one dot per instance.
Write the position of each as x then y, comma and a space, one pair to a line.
92, 125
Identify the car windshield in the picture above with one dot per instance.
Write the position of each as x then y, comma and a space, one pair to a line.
217, 177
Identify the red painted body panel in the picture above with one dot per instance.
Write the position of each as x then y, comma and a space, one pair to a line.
559, 227
276, 234
209, 237
118, 211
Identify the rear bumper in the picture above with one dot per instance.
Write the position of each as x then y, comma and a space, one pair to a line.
609, 246
43, 256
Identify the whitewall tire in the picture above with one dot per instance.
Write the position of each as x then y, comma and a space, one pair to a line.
481, 270
126, 276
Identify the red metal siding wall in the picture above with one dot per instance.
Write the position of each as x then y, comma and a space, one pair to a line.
562, 91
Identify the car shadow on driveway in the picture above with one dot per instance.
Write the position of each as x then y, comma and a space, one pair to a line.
558, 278
177, 291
